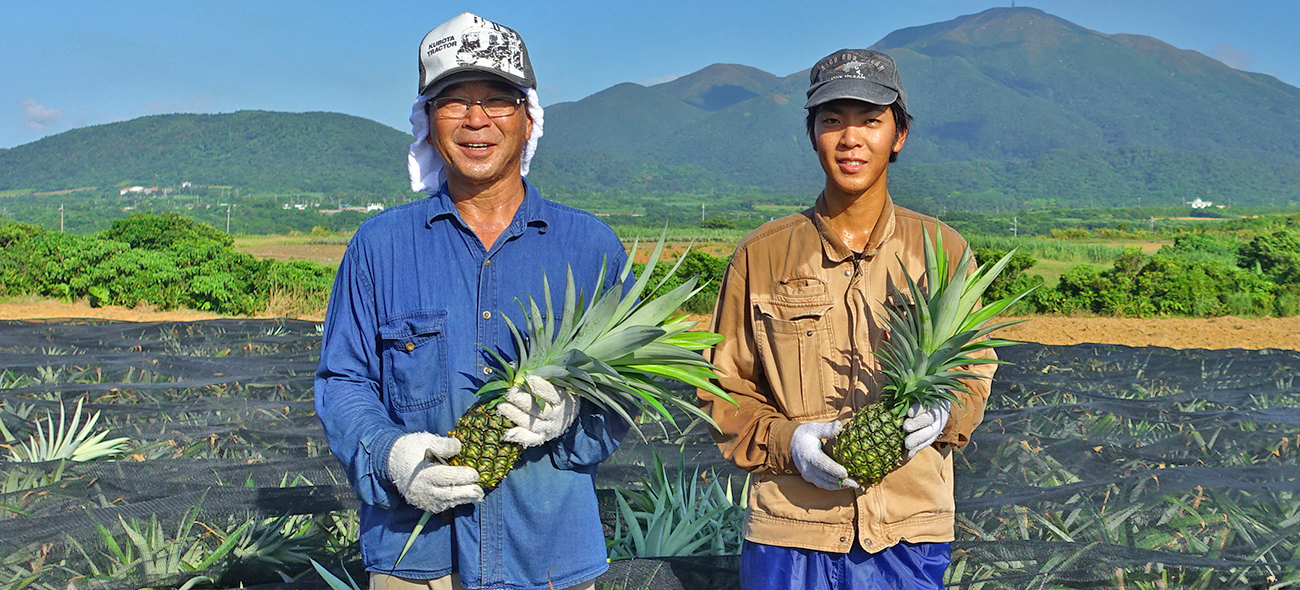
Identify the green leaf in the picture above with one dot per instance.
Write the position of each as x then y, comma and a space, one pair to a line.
415, 532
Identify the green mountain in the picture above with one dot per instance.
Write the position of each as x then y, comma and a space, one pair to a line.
1013, 106
312, 152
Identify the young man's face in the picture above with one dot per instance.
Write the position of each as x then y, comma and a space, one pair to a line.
480, 149
854, 140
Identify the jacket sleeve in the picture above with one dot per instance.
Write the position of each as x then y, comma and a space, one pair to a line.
357, 426
594, 436
970, 412
596, 433
752, 433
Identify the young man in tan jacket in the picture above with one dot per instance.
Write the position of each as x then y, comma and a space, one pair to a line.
801, 306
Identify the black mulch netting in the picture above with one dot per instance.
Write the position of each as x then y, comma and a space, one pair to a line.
1097, 466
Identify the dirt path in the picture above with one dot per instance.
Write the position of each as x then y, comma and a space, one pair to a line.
1215, 333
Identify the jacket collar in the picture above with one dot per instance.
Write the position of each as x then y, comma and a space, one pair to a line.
834, 247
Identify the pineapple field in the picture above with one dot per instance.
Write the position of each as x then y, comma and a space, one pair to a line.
185, 454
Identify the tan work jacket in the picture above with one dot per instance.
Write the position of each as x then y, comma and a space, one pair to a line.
801, 316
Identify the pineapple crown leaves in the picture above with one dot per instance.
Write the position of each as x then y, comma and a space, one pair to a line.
933, 336
609, 349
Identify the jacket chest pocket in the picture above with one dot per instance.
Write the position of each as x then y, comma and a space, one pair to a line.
795, 346
414, 348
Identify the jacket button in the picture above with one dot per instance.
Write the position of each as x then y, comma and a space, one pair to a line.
848, 273
809, 333
844, 539
487, 315
866, 542
410, 346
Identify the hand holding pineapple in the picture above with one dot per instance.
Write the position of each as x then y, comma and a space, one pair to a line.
541, 411
813, 463
924, 424
432, 486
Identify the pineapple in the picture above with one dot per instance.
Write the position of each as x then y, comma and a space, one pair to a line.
930, 343
607, 352
479, 432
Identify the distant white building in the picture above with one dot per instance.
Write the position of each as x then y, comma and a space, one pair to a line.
131, 189
1199, 204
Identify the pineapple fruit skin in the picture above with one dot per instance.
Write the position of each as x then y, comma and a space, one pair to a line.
871, 445
479, 432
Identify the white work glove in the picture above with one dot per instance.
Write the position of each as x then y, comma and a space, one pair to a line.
431, 486
812, 462
537, 424
923, 425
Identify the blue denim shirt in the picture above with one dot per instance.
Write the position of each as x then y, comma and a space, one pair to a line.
416, 301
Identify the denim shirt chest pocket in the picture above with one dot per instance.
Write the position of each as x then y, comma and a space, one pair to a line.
414, 347
795, 345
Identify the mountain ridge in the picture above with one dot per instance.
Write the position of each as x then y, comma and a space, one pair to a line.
1012, 105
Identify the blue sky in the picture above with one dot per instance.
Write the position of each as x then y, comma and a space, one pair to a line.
67, 64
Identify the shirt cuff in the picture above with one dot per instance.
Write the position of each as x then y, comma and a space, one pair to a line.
778, 446
379, 449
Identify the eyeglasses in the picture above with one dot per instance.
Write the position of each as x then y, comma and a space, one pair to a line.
451, 107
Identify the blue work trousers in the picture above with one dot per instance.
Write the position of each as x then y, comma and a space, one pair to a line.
905, 566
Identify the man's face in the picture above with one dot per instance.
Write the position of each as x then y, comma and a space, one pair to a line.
854, 140
479, 149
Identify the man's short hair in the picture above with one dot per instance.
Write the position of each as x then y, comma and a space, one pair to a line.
902, 122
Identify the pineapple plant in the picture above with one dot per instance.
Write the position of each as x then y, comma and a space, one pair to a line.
608, 351
931, 339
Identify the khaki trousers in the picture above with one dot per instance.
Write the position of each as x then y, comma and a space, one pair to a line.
452, 582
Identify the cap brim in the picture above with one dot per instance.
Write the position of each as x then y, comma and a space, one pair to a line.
470, 74
854, 89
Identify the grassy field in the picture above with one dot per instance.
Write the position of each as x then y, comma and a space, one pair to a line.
1054, 256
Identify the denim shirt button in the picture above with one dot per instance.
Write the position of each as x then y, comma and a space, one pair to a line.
487, 370
410, 346
487, 315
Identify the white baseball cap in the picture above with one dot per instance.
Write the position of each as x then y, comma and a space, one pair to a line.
474, 45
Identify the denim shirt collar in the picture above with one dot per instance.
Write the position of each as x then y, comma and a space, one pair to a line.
531, 211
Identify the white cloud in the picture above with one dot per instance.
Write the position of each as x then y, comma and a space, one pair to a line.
659, 80
39, 117
1233, 57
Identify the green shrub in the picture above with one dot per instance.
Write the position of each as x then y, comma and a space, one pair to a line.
1013, 279
161, 231
165, 260
1166, 284
1287, 304
1276, 254
296, 288
135, 276
707, 267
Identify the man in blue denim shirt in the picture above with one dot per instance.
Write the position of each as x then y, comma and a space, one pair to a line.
417, 304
